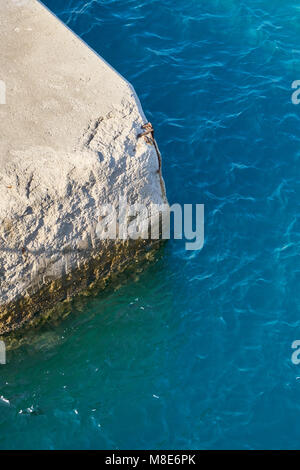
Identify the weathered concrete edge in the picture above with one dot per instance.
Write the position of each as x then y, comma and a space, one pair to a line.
138, 102
26, 309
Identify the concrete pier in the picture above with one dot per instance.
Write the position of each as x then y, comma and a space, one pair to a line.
68, 142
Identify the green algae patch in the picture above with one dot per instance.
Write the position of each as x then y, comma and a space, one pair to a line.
56, 299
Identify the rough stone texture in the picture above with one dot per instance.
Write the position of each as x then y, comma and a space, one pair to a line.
68, 142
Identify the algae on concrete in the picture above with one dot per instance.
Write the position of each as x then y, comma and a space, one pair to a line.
68, 143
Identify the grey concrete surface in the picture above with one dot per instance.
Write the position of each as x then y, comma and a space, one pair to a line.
68, 142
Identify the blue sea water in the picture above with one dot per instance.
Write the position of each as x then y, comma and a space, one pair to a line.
195, 352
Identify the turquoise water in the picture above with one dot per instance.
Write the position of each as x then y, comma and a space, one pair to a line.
196, 351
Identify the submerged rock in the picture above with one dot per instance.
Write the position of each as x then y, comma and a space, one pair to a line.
69, 125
